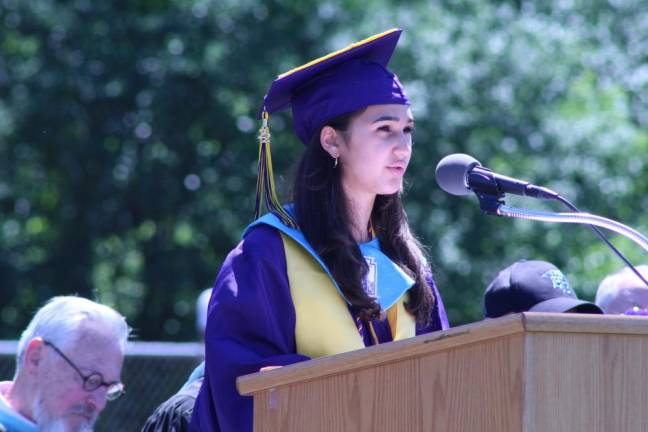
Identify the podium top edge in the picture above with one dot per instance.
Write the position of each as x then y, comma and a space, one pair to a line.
584, 323
521, 324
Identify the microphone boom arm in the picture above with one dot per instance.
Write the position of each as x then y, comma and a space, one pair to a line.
459, 173
502, 209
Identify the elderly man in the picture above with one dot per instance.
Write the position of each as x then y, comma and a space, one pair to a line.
68, 365
624, 293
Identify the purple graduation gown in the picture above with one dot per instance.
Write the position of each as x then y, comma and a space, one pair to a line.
251, 324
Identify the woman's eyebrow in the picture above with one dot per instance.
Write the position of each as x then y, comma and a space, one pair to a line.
391, 118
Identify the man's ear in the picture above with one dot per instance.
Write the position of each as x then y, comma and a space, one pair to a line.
33, 355
330, 140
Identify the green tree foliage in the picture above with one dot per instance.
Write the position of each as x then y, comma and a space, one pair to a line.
128, 147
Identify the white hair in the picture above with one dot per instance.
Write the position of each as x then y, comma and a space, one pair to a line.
613, 293
60, 320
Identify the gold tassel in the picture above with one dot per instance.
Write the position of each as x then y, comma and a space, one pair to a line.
266, 192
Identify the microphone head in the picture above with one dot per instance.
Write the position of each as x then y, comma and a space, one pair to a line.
452, 173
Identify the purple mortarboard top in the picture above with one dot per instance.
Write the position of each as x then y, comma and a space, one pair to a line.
338, 83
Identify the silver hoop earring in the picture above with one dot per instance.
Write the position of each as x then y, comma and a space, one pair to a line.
335, 162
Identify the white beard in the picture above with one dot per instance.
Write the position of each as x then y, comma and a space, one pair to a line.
46, 423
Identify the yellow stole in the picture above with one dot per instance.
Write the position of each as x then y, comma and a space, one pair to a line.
323, 324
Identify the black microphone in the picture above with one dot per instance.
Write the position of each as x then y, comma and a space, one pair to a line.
459, 174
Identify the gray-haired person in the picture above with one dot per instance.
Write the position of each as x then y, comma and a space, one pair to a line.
624, 293
68, 366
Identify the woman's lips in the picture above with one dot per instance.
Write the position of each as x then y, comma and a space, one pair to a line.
396, 169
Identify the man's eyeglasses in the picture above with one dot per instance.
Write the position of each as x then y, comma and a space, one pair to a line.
94, 380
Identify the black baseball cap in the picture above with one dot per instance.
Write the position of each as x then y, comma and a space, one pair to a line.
536, 286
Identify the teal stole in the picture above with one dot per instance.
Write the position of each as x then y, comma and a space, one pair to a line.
324, 326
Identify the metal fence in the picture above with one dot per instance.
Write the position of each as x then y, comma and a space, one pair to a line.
152, 372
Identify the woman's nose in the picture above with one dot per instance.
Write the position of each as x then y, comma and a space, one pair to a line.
403, 146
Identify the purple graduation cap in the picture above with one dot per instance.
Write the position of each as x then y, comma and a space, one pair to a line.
339, 83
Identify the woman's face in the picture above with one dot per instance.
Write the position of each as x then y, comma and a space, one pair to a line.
376, 150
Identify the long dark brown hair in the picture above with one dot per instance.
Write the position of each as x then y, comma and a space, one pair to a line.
323, 216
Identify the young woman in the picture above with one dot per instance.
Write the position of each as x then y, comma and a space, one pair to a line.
338, 268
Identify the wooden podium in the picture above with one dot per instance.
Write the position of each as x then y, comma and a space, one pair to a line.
525, 372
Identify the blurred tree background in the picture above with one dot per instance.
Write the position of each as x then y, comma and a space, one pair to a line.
128, 137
